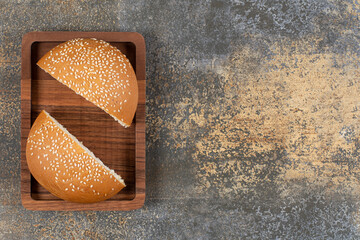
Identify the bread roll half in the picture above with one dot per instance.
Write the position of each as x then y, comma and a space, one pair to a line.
97, 71
65, 167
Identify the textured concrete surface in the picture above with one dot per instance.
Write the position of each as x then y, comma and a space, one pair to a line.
253, 111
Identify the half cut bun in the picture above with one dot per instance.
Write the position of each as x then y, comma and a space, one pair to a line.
97, 71
65, 167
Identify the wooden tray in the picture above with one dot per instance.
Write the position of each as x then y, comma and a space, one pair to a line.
121, 149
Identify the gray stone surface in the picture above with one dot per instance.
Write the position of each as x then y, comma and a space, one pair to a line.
252, 119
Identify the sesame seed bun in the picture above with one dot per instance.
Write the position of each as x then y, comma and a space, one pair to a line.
97, 71
65, 167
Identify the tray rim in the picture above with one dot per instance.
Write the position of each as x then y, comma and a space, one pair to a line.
60, 205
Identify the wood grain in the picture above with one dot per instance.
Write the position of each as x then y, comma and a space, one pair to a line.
122, 149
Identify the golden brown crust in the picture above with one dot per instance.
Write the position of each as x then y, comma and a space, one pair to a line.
97, 71
63, 167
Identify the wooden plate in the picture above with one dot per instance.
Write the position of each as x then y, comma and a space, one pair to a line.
121, 149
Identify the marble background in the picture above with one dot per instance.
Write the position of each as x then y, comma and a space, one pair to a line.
253, 110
